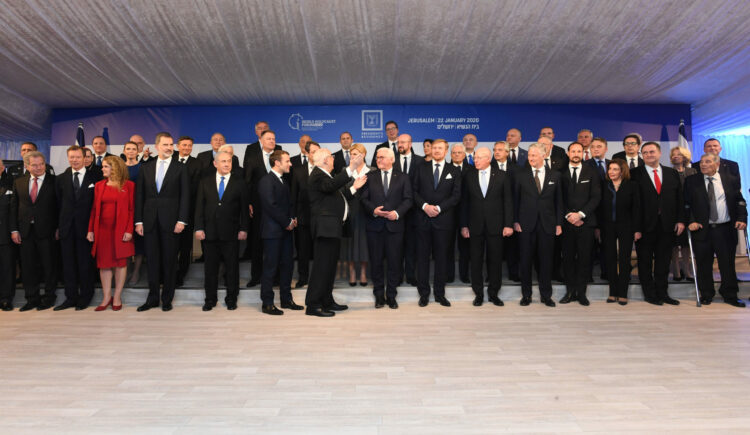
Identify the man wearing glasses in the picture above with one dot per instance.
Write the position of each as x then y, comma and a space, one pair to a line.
631, 144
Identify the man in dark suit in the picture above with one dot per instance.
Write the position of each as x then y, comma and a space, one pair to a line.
469, 142
554, 164
185, 252
221, 222
581, 193
713, 146
585, 136
408, 162
437, 192
500, 162
7, 253
100, 150
252, 149
328, 212
631, 145
663, 217
206, 158
458, 160
162, 208
21, 170
598, 163
276, 226
538, 219
715, 209
6, 180
391, 132
302, 158
88, 161
257, 166
486, 217
301, 202
556, 153
75, 195
516, 154
386, 198
341, 157
33, 226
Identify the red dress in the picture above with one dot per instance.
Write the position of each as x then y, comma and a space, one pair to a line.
106, 257
111, 217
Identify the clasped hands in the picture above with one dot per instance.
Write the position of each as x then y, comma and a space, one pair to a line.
390, 215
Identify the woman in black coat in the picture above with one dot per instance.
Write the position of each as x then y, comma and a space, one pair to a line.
620, 216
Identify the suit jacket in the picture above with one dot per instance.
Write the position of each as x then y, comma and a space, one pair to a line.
399, 198
339, 162
696, 199
278, 208
446, 196
43, 212
595, 166
300, 197
194, 171
557, 163
296, 161
167, 207
621, 155
584, 196
255, 169
6, 179
19, 171
521, 158
385, 144
416, 160
123, 218
206, 163
532, 206
222, 219
6, 200
627, 208
491, 213
327, 203
559, 154
725, 166
668, 204
75, 210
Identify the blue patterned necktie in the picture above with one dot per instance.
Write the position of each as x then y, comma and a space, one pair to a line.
221, 188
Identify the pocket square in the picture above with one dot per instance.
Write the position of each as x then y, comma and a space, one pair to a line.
9, 192
91, 186
551, 182
585, 181
448, 177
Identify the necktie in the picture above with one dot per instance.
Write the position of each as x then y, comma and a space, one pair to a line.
436, 174
406, 169
632, 163
34, 190
221, 188
657, 182
575, 176
586, 155
536, 180
546, 163
160, 175
98, 160
267, 161
182, 160
483, 183
385, 182
601, 169
513, 156
395, 149
713, 210
470, 158
76, 182
304, 160
502, 166
346, 157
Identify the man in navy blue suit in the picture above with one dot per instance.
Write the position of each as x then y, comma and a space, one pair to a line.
713, 146
516, 154
386, 198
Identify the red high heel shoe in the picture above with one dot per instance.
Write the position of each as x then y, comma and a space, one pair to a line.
116, 307
104, 307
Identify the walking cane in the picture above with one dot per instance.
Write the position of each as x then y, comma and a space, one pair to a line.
695, 273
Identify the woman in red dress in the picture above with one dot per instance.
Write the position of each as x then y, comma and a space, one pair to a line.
111, 229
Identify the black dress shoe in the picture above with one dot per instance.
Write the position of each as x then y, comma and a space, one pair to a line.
654, 301
611, 301
291, 305
208, 306
301, 283
29, 306
478, 301
567, 298
677, 278
411, 282
335, 307
272, 310
706, 301
179, 282
6, 306
352, 283
146, 307
64, 306
514, 277
252, 283
548, 302
166, 307
735, 303
689, 279
583, 301
392, 304
497, 301
363, 283
80, 307
231, 305
424, 300
442, 301
670, 301
319, 312
44, 306
525, 301
379, 301
557, 277
466, 280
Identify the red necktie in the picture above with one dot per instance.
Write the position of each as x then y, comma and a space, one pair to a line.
657, 182
34, 190
586, 155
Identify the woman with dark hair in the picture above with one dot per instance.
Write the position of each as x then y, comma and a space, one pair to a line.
111, 229
620, 214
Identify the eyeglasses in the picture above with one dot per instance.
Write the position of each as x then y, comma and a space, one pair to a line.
391, 128
630, 143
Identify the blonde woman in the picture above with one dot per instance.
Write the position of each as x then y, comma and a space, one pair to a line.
354, 242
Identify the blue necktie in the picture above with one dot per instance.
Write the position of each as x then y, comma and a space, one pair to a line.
436, 175
601, 169
98, 160
470, 159
221, 188
160, 175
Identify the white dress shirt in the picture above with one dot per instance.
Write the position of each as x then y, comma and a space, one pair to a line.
39, 182
650, 171
81, 174
721, 198
218, 180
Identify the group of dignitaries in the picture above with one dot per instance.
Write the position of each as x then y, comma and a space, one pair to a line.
547, 208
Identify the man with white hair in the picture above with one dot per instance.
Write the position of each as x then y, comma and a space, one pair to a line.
458, 158
328, 213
